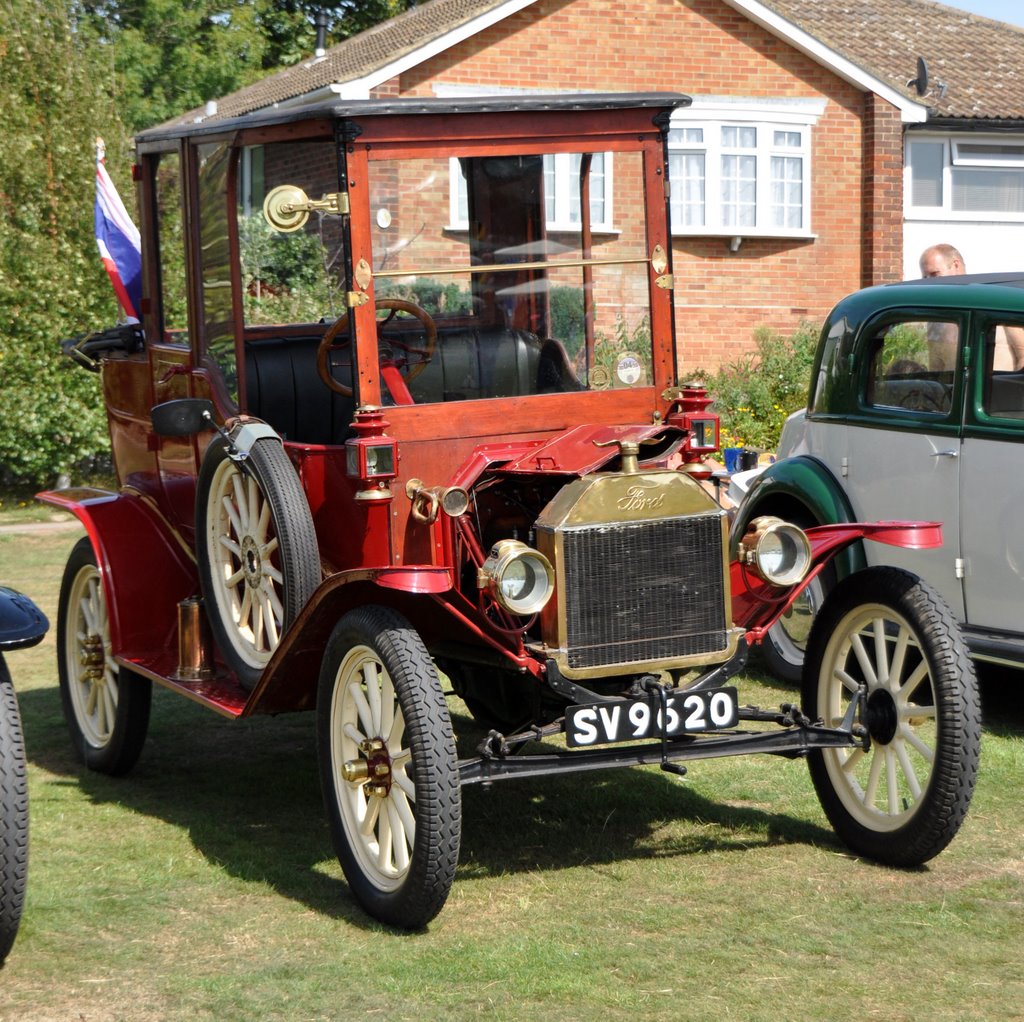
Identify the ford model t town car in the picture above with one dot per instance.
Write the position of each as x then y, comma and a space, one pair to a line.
403, 413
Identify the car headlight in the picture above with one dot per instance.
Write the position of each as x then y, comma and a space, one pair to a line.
519, 578
779, 552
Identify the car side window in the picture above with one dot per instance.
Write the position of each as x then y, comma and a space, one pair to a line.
1003, 390
171, 249
912, 366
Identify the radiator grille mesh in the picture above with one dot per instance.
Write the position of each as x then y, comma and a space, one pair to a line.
644, 591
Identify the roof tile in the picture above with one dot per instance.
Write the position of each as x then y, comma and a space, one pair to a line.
976, 65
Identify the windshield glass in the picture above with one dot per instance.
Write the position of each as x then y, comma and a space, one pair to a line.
531, 268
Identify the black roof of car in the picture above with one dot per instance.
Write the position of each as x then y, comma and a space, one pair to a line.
1008, 278
347, 109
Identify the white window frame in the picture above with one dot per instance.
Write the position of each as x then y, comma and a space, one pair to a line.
561, 224
956, 153
766, 116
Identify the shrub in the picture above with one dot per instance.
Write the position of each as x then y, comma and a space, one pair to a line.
757, 391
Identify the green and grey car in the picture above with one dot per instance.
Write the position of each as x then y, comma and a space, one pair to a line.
915, 411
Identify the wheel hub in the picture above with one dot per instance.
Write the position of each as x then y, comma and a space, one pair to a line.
91, 658
882, 718
373, 772
251, 563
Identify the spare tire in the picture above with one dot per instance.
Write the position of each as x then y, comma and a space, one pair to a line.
257, 551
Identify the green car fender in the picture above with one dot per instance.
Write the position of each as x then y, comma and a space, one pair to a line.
804, 491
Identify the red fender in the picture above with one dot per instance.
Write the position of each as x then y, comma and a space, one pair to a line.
757, 606
144, 572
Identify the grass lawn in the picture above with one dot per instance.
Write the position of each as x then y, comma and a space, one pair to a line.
203, 886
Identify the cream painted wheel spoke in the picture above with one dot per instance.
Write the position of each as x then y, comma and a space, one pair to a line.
369, 821
875, 772
352, 733
363, 710
861, 652
926, 752
899, 747
404, 783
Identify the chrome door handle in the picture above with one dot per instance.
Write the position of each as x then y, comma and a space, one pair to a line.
945, 454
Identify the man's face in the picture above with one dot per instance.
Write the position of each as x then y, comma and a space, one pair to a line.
935, 264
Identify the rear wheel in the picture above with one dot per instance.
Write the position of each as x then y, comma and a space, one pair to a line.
13, 814
903, 799
257, 552
106, 707
388, 767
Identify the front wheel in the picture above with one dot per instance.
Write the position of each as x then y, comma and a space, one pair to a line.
388, 767
901, 800
13, 814
106, 707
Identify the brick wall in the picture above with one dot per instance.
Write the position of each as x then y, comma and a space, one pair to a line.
706, 47
883, 192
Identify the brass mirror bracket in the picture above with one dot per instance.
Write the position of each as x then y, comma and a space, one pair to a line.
287, 207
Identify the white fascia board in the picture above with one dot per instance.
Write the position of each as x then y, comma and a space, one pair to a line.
910, 112
359, 88
759, 109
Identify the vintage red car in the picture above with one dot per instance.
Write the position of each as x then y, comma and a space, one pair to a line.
404, 406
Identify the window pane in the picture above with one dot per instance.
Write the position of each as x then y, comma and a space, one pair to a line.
292, 276
912, 367
739, 191
787, 191
518, 311
790, 139
215, 261
686, 136
598, 205
550, 189
171, 249
686, 171
990, 152
926, 161
980, 189
1004, 379
739, 137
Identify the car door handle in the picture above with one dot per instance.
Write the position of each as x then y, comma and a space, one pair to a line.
945, 454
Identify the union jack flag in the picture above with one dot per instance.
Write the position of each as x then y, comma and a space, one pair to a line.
118, 240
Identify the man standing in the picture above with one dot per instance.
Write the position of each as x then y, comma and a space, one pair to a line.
946, 261
941, 261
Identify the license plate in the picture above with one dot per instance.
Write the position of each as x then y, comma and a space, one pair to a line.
625, 720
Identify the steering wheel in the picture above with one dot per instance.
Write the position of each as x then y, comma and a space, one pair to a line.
413, 369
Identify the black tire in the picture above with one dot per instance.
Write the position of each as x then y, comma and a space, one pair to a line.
13, 815
398, 845
258, 561
106, 707
901, 801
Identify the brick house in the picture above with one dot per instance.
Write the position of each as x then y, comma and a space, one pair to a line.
809, 165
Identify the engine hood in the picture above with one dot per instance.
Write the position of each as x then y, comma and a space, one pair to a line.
579, 451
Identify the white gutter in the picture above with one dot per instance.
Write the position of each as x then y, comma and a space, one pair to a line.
910, 112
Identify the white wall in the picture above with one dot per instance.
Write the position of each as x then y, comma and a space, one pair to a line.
986, 247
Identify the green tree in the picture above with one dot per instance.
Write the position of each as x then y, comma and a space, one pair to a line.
169, 57
52, 283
